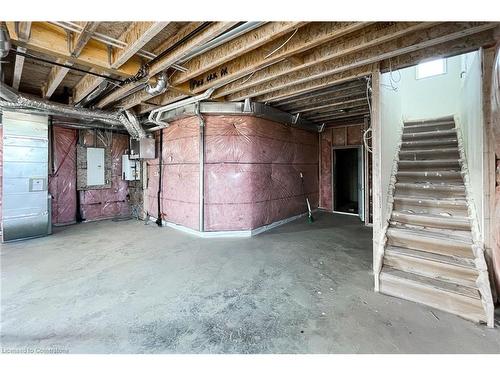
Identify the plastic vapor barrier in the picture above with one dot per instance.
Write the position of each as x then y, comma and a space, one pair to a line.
252, 172
326, 170
180, 181
97, 204
62, 180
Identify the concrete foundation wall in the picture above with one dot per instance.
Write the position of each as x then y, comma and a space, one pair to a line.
252, 173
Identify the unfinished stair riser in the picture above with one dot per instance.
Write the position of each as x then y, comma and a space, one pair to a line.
430, 255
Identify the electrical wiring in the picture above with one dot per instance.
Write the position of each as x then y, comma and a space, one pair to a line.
282, 45
369, 130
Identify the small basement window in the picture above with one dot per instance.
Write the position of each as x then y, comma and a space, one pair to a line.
431, 68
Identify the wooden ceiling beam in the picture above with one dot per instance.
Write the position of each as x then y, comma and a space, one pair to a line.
137, 35
210, 59
320, 94
322, 100
334, 116
165, 62
447, 49
316, 84
306, 37
331, 106
53, 41
345, 109
235, 48
409, 43
57, 73
24, 29
368, 36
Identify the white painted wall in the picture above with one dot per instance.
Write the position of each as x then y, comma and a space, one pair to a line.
470, 120
457, 92
392, 122
430, 97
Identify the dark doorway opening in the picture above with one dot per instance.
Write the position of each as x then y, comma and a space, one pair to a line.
346, 172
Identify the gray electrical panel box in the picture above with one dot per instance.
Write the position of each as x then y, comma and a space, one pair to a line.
143, 148
95, 166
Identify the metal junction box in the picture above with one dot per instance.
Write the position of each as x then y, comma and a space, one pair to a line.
131, 169
143, 148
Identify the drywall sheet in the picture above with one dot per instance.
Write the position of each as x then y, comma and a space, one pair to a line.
96, 204
326, 169
252, 172
62, 181
1, 171
495, 123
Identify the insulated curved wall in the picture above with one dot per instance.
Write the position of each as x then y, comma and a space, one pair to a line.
252, 172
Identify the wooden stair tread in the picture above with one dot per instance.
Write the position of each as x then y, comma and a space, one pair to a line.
446, 119
459, 220
430, 282
445, 202
431, 151
430, 235
448, 259
429, 134
423, 163
430, 142
439, 173
432, 185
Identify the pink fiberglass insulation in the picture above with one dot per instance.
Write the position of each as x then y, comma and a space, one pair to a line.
326, 170
180, 178
252, 172
113, 202
62, 181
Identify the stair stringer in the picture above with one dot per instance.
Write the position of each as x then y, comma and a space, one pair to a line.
378, 256
483, 280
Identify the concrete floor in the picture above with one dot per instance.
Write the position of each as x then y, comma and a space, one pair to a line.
123, 287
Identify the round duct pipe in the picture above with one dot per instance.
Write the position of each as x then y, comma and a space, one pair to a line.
160, 87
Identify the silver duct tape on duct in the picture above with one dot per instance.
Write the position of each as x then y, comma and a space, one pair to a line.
128, 120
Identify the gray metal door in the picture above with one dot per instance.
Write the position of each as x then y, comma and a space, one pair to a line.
25, 174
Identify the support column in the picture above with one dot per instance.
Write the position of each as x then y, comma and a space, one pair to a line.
376, 175
201, 169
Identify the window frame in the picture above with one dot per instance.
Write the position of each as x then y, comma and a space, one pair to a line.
445, 68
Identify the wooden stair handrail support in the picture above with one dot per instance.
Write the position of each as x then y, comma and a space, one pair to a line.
483, 281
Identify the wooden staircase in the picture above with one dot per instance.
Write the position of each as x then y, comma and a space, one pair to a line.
430, 255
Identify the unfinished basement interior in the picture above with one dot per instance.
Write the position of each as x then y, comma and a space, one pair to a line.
250, 187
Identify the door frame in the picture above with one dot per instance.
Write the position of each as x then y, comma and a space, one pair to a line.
361, 149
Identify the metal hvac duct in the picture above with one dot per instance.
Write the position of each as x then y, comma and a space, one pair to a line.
4, 41
13, 100
160, 87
